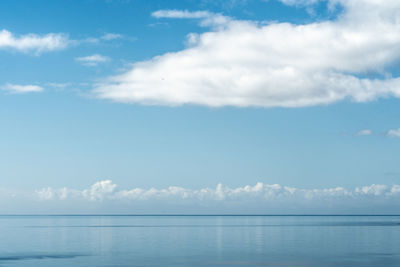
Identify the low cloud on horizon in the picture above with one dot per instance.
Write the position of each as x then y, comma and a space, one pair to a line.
107, 190
105, 197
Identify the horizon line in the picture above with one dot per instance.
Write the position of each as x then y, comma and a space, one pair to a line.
200, 215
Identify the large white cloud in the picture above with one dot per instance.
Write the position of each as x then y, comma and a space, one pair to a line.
33, 42
245, 63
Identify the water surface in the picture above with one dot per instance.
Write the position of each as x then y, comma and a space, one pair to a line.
199, 241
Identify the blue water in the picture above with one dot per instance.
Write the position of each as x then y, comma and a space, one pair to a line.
199, 241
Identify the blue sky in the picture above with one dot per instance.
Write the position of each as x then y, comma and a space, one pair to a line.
152, 94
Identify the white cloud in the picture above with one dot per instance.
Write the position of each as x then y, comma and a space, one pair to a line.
46, 193
260, 192
375, 190
100, 190
299, 2
111, 36
39, 43
364, 132
105, 197
243, 63
181, 14
92, 60
21, 89
394, 133
217, 21
33, 42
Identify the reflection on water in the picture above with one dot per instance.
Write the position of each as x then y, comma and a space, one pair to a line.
199, 241
224, 225
11, 257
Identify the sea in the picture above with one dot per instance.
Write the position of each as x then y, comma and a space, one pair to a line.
149, 241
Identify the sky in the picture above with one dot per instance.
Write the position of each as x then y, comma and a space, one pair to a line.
236, 106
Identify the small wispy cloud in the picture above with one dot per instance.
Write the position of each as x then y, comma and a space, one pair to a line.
394, 133
181, 14
37, 44
111, 36
299, 2
364, 132
33, 42
21, 89
156, 24
58, 85
207, 18
388, 133
92, 60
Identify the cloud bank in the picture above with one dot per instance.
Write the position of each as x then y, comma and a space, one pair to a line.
107, 190
33, 42
246, 63
105, 197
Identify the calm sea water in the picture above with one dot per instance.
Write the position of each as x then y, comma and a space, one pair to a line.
199, 241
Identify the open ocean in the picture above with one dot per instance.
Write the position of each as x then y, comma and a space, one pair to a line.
199, 241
